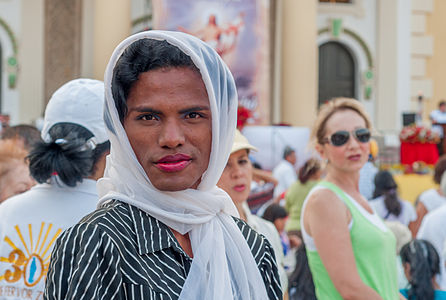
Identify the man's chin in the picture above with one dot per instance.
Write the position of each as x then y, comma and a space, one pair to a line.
174, 186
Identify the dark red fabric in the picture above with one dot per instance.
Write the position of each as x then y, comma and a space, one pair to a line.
412, 152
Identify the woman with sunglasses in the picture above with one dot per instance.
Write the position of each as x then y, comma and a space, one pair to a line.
352, 254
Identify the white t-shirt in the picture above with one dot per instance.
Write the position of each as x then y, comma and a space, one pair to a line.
431, 199
433, 230
367, 180
29, 226
406, 216
285, 173
439, 117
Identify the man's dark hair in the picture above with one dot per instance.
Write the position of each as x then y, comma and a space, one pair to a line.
288, 151
66, 155
142, 56
442, 102
29, 134
274, 212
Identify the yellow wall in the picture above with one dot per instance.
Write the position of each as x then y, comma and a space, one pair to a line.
31, 53
112, 24
436, 65
299, 57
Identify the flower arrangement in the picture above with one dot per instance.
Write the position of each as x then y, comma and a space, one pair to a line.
243, 115
419, 134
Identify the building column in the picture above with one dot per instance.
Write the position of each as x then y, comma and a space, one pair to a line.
31, 78
112, 24
393, 64
299, 62
63, 20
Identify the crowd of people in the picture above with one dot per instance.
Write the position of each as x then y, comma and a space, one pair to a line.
140, 187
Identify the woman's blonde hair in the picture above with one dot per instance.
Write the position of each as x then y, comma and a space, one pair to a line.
330, 108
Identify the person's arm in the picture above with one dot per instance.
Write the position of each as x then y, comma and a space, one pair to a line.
414, 226
326, 219
84, 265
263, 175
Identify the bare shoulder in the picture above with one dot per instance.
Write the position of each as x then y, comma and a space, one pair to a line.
324, 207
322, 199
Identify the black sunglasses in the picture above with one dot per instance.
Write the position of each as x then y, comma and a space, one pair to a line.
339, 138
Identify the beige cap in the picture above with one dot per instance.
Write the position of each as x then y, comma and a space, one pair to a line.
241, 142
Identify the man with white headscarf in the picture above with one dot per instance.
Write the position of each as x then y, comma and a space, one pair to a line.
163, 230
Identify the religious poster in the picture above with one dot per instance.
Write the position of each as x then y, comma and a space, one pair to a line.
239, 32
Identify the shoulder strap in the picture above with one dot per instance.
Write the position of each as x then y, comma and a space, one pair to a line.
340, 193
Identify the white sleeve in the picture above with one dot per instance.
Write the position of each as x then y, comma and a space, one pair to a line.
431, 230
412, 214
290, 178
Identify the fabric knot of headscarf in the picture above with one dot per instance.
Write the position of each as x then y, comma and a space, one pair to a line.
223, 266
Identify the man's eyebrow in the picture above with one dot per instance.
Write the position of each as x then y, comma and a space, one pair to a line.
195, 108
146, 110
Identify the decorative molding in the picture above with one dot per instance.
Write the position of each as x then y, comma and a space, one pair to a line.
357, 38
143, 19
367, 75
11, 35
422, 47
356, 8
12, 64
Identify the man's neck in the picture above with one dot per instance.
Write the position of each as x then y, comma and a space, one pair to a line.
184, 241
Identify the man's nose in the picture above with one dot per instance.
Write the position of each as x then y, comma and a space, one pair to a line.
171, 135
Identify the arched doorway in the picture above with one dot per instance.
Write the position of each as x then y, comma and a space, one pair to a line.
336, 72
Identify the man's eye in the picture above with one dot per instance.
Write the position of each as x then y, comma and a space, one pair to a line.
193, 115
147, 117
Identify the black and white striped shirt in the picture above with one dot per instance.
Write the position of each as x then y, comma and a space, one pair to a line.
120, 252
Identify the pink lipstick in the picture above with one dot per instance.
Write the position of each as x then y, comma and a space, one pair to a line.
354, 157
239, 188
173, 163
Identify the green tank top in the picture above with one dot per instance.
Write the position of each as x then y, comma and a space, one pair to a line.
374, 251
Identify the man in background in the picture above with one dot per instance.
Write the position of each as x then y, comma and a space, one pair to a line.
24, 134
284, 172
438, 117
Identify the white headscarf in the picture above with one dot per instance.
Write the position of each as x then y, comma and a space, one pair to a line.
223, 266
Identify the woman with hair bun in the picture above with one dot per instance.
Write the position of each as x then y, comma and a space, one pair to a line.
386, 202
421, 264
66, 164
309, 175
